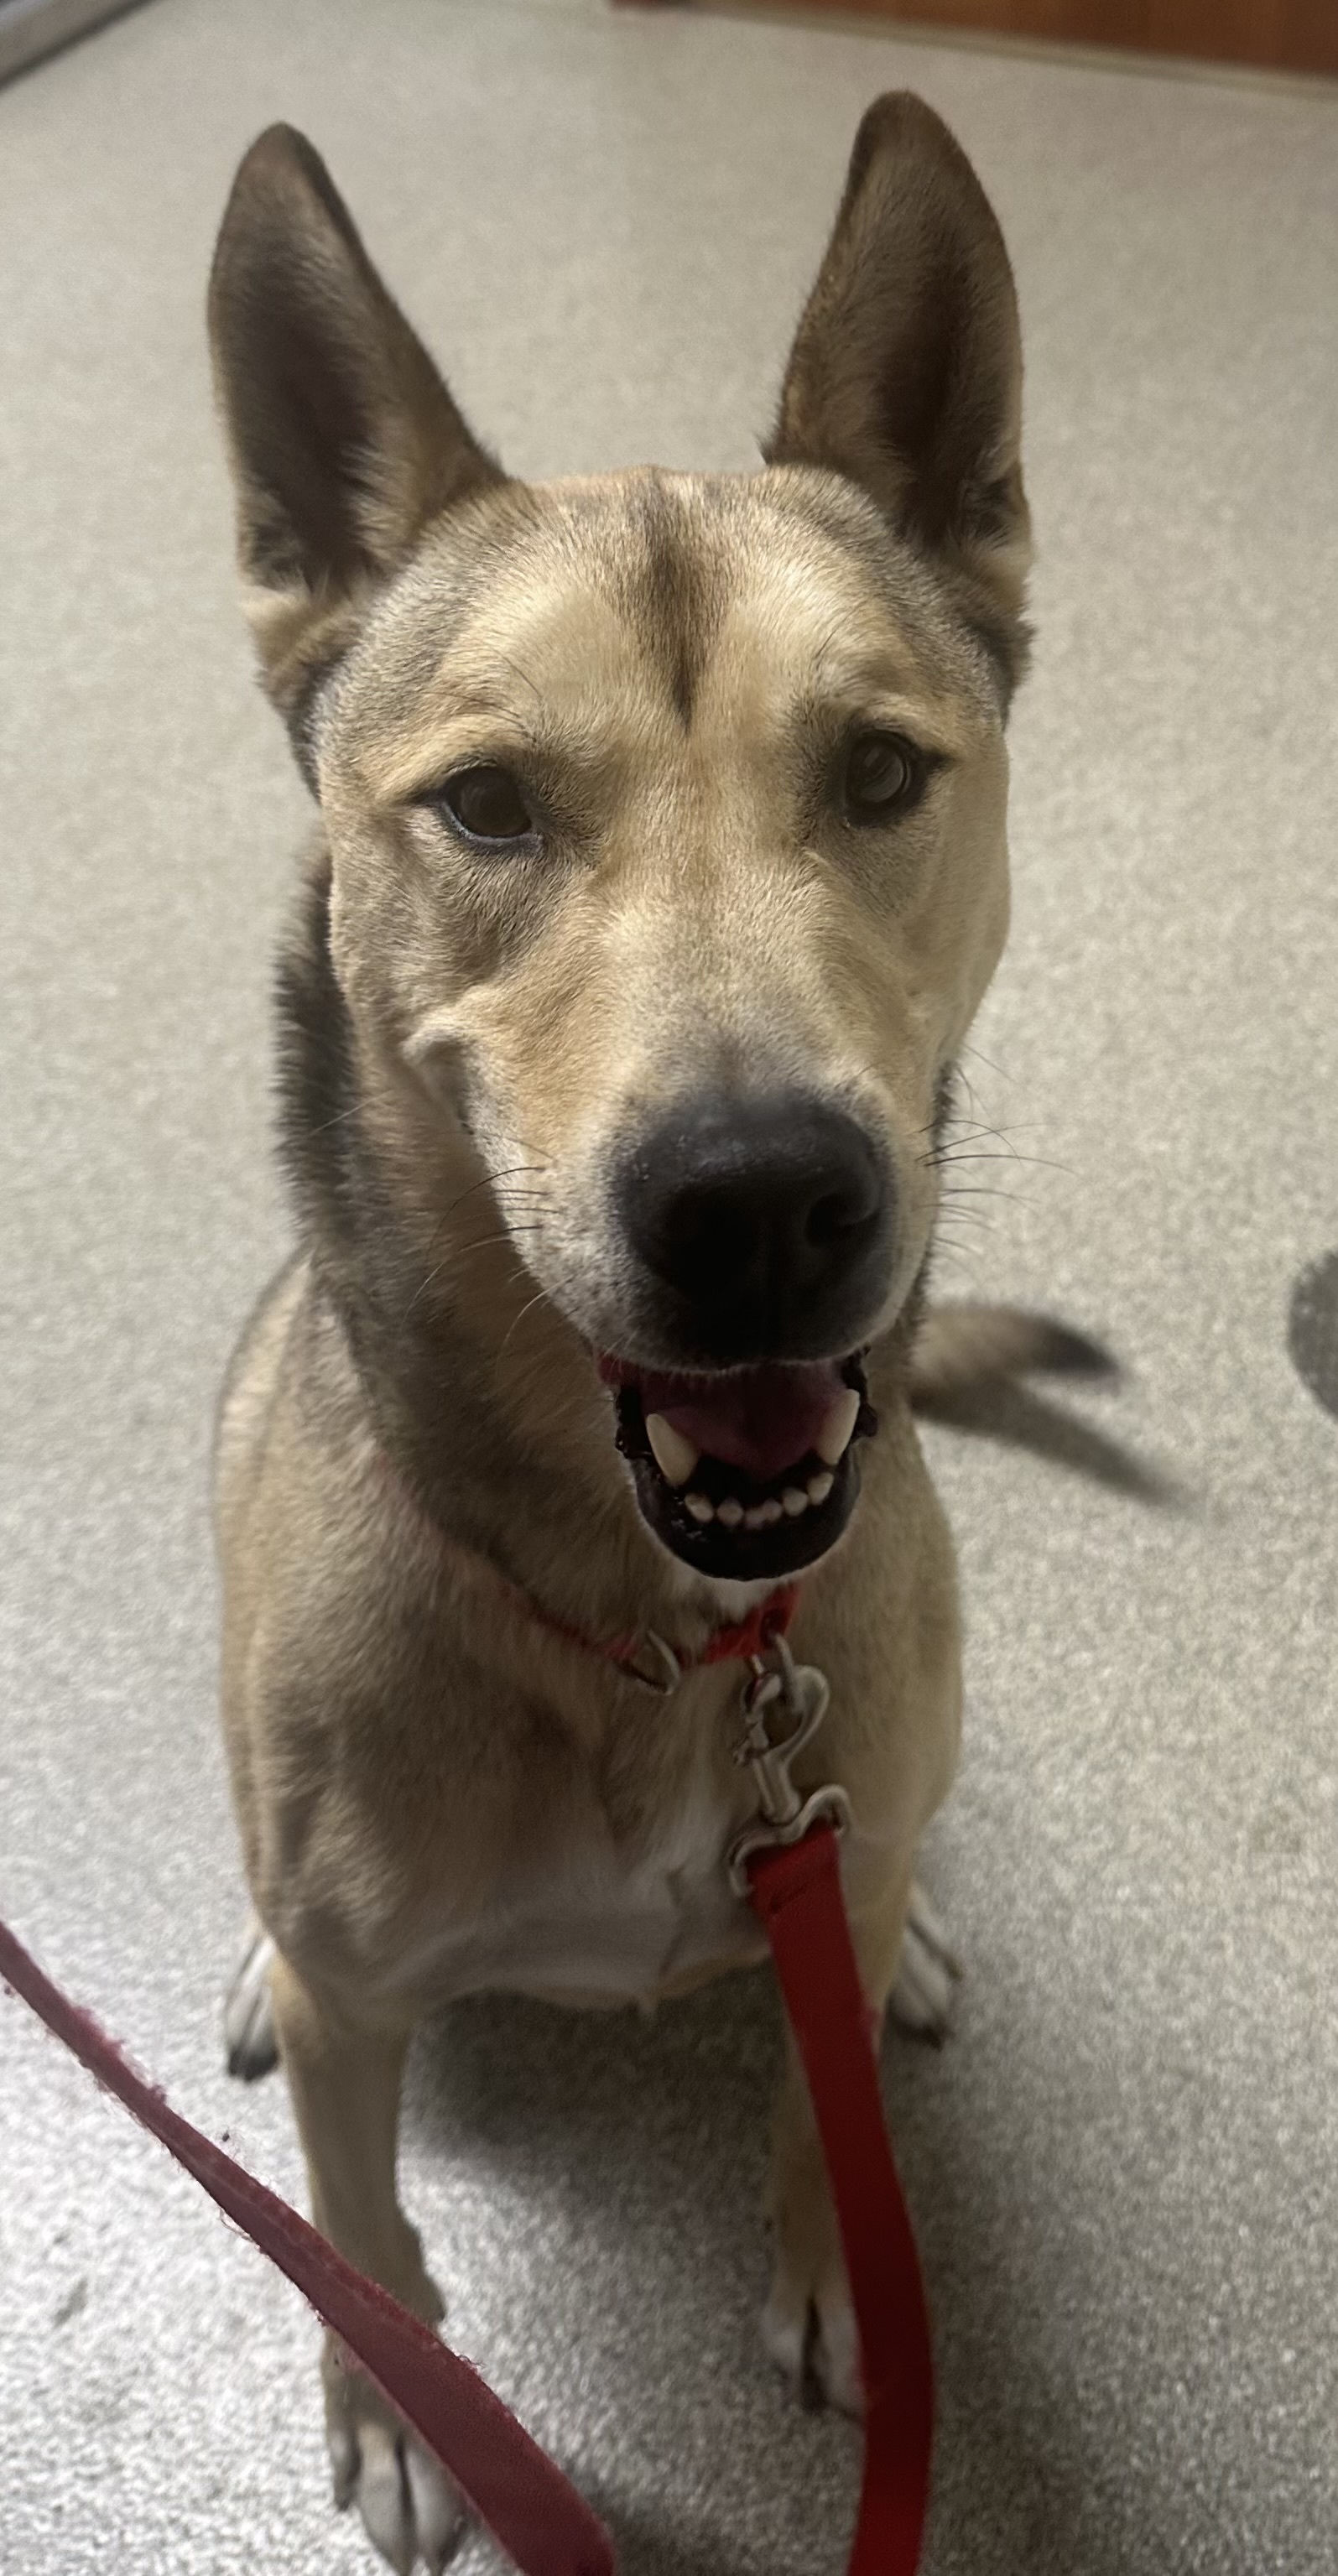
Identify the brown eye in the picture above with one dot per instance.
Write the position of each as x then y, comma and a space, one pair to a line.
884, 776
487, 804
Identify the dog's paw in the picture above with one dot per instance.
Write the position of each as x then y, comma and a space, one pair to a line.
928, 1974
248, 2014
809, 2331
409, 2508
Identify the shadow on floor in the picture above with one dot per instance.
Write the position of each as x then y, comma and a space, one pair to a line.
1017, 1417
638, 2149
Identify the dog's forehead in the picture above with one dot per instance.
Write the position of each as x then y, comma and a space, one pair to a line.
645, 601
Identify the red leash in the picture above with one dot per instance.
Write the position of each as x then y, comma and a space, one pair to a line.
513, 2487
796, 1894
792, 1878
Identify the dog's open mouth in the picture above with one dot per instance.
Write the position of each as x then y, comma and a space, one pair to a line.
747, 1475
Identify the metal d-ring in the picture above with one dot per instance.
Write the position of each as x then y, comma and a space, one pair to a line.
667, 1679
783, 1815
803, 1692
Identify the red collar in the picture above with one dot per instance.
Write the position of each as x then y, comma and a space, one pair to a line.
743, 1639
644, 1647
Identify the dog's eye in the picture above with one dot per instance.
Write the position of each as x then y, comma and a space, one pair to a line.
884, 775
487, 804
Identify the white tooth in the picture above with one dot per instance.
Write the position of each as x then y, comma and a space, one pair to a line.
756, 1518
700, 1508
674, 1456
771, 1512
819, 1487
839, 1428
795, 1501
730, 1512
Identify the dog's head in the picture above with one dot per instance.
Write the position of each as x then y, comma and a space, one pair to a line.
666, 812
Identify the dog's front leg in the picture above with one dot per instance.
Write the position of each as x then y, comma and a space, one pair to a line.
345, 2083
808, 2323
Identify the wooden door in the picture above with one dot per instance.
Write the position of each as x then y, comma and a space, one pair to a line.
1283, 35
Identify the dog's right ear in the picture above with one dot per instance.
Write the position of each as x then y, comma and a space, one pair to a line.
344, 441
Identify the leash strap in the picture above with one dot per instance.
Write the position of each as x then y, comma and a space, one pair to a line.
542, 2523
796, 1893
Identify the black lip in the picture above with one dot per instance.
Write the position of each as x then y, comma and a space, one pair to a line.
743, 1555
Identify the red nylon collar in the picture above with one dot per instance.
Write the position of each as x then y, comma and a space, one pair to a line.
734, 1644
737, 1642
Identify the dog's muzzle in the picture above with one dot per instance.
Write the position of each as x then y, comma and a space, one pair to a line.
763, 1235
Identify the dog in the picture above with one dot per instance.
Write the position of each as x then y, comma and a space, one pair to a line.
661, 868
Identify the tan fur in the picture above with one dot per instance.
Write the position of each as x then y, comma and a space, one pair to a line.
965, 1351
433, 1791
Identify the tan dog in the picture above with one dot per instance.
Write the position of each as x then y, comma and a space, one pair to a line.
661, 870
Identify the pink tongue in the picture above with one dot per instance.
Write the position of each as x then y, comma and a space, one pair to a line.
763, 1419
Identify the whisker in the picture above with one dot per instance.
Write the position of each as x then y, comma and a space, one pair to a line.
981, 1190
1038, 1162
459, 1252
490, 1179
960, 1259
514, 1326
958, 1130
961, 1075
981, 1058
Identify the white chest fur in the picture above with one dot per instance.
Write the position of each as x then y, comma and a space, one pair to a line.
585, 1922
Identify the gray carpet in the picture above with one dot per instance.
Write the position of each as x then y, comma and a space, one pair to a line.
1122, 2166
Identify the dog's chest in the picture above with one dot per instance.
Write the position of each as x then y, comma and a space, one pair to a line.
581, 1919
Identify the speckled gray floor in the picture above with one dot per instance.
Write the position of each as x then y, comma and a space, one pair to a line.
1122, 2168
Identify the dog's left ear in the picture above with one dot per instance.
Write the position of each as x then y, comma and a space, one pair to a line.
906, 371
344, 441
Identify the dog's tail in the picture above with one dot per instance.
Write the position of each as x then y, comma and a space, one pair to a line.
964, 1351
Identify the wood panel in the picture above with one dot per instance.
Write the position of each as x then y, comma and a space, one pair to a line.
1282, 35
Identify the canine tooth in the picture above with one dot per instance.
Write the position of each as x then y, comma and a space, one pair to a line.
819, 1487
700, 1508
730, 1512
839, 1428
795, 1501
674, 1456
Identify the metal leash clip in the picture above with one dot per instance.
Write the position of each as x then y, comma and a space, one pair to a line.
783, 1815
667, 1675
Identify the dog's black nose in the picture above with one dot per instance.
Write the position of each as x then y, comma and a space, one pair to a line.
770, 1221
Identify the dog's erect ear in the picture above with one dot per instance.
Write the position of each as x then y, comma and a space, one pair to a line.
906, 372
343, 438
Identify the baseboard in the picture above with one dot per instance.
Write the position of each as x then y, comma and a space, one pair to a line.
30, 29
